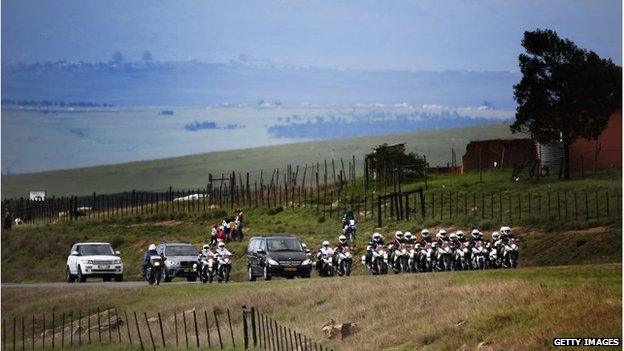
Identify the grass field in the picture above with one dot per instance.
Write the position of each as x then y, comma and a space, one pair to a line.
520, 309
192, 171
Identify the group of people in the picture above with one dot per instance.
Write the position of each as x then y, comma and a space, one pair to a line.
231, 228
454, 251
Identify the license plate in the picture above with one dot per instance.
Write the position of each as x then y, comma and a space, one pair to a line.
103, 267
290, 269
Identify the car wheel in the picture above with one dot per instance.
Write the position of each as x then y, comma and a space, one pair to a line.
119, 278
167, 278
266, 275
81, 278
252, 278
70, 277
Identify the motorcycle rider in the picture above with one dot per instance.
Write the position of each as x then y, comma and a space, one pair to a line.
348, 216
221, 250
342, 244
454, 240
460, 236
424, 237
372, 245
395, 244
505, 233
475, 236
409, 238
324, 250
441, 237
205, 252
151, 251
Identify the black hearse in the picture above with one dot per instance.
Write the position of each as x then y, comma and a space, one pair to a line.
282, 256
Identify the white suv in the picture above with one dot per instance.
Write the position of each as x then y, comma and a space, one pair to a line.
97, 260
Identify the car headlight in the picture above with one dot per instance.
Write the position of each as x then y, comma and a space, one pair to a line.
171, 262
87, 261
306, 262
273, 262
117, 261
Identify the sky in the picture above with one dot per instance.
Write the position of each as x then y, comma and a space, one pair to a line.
357, 34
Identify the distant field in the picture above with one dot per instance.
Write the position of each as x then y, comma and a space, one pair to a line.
192, 171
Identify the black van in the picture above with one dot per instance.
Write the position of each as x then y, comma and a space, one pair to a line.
281, 256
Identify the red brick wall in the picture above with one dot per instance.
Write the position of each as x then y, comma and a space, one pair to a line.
610, 154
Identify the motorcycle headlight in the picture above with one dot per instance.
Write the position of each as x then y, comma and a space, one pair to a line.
306, 262
87, 261
272, 262
156, 264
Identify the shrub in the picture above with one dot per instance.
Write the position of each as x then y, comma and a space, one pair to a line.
117, 241
274, 211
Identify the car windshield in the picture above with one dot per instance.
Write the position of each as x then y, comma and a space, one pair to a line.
181, 250
94, 250
284, 244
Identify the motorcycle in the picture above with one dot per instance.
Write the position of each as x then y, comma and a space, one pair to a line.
425, 258
494, 259
379, 262
413, 253
345, 262
224, 266
510, 254
206, 271
350, 229
479, 256
461, 258
444, 262
400, 260
153, 273
327, 268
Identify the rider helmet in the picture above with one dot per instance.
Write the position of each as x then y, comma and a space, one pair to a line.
221, 244
408, 236
425, 233
495, 236
453, 236
342, 239
206, 246
326, 244
398, 235
459, 234
152, 247
441, 233
505, 230
376, 237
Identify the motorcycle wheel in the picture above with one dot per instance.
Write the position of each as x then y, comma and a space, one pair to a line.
347, 269
226, 274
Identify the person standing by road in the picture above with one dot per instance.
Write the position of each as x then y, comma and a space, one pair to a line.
7, 219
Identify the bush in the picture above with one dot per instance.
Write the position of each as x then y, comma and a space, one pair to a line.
117, 241
321, 219
274, 211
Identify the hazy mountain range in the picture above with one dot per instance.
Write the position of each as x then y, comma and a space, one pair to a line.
193, 83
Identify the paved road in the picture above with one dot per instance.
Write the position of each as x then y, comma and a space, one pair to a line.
87, 284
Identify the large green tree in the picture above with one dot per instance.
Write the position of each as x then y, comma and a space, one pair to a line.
565, 93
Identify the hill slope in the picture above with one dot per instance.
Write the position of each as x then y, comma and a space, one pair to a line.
192, 171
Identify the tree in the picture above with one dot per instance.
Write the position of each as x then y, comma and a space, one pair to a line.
386, 158
147, 56
565, 92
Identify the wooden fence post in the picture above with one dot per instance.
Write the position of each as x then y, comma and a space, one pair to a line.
218, 328
196, 329
207, 328
127, 327
136, 321
149, 329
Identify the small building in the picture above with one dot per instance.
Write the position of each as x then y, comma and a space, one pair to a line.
604, 152
498, 154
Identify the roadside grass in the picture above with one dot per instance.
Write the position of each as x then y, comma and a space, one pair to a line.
38, 253
520, 309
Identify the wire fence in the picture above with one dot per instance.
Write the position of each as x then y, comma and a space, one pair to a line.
187, 329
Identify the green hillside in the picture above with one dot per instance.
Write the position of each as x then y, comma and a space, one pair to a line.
192, 171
